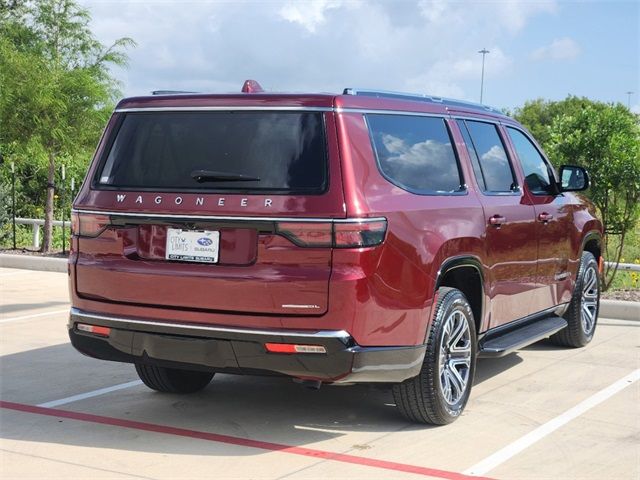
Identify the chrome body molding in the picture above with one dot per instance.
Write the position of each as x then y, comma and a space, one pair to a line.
174, 216
78, 315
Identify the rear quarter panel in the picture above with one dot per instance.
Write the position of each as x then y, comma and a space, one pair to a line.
397, 280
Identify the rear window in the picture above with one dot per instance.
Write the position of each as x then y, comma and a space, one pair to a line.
416, 153
261, 152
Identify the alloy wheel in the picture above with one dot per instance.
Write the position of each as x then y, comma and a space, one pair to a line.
455, 357
589, 301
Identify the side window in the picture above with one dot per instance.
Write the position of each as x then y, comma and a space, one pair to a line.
536, 169
488, 156
415, 153
472, 155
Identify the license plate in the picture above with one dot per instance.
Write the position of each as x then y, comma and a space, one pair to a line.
192, 245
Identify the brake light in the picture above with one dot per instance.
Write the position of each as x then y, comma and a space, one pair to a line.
95, 329
344, 234
293, 348
358, 234
307, 234
88, 224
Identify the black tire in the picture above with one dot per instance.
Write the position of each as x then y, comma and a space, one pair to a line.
172, 380
422, 399
579, 331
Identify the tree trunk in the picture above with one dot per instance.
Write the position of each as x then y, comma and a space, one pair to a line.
48, 206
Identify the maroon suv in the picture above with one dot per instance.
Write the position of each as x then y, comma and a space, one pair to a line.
362, 237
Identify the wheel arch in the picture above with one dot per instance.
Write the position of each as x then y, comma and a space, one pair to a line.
592, 242
466, 274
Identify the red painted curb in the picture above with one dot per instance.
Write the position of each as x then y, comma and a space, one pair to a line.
244, 442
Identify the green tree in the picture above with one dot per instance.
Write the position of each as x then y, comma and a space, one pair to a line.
56, 90
538, 115
605, 139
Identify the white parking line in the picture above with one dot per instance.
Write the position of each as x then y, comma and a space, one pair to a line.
542, 431
93, 393
34, 315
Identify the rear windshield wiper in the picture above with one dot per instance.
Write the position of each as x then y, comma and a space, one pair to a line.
212, 176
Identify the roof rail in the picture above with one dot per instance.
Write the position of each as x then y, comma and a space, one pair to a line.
170, 92
419, 97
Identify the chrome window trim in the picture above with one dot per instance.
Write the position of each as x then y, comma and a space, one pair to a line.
219, 108
78, 315
228, 217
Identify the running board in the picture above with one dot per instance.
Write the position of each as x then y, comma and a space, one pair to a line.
508, 340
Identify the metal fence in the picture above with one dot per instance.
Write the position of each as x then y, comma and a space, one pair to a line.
36, 223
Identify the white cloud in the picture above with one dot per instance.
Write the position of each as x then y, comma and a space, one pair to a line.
411, 163
322, 45
514, 15
560, 49
495, 155
444, 76
310, 14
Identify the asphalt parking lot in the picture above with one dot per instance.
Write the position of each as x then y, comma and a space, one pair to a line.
541, 413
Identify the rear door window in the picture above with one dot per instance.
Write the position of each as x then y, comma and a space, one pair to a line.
488, 157
416, 153
254, 152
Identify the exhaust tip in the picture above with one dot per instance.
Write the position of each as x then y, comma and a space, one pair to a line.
310, 384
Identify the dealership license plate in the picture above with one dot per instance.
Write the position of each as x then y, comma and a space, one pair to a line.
192, 245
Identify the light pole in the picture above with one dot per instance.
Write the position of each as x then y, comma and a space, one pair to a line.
484, 52
629, 93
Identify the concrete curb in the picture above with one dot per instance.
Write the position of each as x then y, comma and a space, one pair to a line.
33, 262
619, 309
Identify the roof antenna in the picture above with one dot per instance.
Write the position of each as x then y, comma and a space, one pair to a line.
251, 86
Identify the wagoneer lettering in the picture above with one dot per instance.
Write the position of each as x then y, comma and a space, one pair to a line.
199, 201
334, 239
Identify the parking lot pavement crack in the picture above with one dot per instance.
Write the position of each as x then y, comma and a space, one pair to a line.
56, 460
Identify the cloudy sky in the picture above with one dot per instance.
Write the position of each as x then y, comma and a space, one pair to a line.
541, 48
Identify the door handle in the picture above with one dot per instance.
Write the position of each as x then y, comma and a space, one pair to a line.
497, 220
544, 217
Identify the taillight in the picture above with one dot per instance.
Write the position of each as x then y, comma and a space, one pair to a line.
307, 234
342, 234
357, 234
88, 224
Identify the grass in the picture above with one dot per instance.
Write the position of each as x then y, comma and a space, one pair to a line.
630, 254
24, 237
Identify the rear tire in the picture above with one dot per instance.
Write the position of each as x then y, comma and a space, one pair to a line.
439, 393
172, 380
582, 314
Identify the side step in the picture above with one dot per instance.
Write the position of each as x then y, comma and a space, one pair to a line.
506, 341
